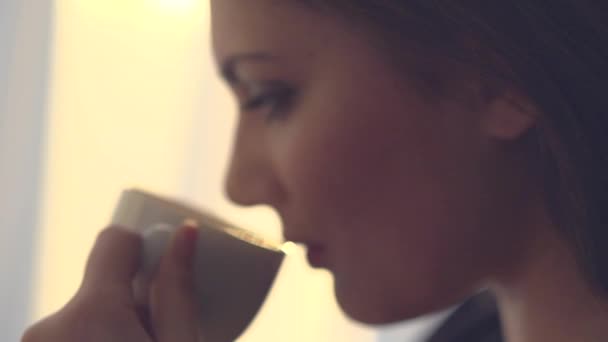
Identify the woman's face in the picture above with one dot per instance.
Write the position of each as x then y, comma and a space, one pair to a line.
406, 203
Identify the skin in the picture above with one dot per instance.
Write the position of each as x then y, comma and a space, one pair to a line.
105, 308
415, 205
389, 185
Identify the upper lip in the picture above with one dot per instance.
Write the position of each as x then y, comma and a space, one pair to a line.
311, 246
290, 233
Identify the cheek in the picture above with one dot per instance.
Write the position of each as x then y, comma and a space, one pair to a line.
396, 198
331, 167
367, 167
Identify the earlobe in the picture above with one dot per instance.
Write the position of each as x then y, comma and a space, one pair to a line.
509, 117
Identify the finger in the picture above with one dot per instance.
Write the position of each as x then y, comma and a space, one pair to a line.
141, 297
113, 262
174, 307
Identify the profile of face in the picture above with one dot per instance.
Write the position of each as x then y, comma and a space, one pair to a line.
414, 204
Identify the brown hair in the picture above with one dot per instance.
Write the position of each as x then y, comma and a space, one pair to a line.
555, 52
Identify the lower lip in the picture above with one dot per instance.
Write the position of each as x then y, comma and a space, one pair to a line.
316, 257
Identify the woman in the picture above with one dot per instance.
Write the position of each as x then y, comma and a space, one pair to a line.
421, 150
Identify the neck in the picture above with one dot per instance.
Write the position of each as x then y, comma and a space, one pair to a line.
547, 300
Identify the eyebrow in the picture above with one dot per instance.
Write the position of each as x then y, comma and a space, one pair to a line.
228, 66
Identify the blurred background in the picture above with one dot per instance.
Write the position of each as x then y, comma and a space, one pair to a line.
101, 95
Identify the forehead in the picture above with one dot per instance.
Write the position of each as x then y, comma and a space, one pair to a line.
240, 26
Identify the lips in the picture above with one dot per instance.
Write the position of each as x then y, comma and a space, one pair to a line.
316, 252
317, 256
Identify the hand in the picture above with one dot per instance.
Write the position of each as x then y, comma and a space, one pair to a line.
104, 308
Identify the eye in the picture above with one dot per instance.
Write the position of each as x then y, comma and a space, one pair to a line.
274, 101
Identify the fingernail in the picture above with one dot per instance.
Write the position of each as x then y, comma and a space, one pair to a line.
186, 243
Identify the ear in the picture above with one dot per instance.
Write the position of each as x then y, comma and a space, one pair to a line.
509, 116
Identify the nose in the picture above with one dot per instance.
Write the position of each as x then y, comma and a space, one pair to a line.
251, 178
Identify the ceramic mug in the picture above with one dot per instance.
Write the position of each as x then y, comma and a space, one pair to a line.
234, 269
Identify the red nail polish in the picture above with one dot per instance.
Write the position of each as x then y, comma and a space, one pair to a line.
189, 237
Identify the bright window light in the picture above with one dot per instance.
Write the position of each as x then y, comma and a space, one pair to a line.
178, 5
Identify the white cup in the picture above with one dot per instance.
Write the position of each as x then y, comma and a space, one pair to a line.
234, 269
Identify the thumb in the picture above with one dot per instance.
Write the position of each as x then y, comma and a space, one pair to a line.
174, 306
113, 262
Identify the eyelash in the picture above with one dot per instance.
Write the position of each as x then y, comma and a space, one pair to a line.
277, 101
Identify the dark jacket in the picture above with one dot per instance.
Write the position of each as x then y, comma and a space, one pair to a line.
476, 320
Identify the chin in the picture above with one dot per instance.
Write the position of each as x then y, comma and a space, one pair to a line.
371, 315
369, 309
364, 309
